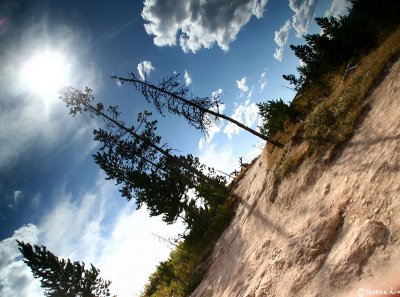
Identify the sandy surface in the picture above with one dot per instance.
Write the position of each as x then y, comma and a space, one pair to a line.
327, 230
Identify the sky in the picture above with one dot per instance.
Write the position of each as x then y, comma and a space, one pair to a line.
51, 191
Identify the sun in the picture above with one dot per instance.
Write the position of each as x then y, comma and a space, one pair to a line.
44, 73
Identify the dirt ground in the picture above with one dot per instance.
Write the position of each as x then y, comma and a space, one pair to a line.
330, 228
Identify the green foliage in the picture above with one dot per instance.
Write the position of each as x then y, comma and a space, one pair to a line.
144, 168
187, 264
274, 115
168, 185
63, 278
172, 95
293, 80
343, 40
331, 122
340, 66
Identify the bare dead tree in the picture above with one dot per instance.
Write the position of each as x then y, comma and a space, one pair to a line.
172, 95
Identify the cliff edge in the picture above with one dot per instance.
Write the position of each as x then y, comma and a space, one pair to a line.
330, 228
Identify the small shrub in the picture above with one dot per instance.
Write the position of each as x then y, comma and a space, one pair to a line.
275, 114
291, 159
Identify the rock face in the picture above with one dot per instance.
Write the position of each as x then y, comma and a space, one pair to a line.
356, 246
326, 229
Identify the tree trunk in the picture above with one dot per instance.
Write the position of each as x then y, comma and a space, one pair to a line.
202, 109
146, 141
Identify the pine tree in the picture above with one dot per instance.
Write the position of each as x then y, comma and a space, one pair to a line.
343, 40
63, 278
293, 80
275, 114
173, 96
146, 169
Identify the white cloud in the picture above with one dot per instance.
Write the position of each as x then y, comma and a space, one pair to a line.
81, 228
84, 215
219, 157
241, 84
281, 38
15, 277
225, 157
304, 11
83, 134
253, 153
338, 8
35, 201
263, 80
15, 199
188, 79
17, 195
25, 124
198, 24
216, 124
250, 92
217, 93
215, 127
132, 252
202, 142
278, 54
145, 68
246, 113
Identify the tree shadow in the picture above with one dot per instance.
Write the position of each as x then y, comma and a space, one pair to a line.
359, 147
254, 211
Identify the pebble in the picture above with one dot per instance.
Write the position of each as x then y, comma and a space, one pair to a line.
376, 210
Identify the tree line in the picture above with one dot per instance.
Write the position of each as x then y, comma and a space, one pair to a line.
341, 43
343, 40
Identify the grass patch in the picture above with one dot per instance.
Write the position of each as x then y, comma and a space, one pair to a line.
291, 159
328, 112
332, 120
285, 136
295, 151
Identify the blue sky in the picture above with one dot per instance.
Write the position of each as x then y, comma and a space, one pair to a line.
51, 191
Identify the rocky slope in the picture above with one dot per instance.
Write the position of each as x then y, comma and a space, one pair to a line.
330, 228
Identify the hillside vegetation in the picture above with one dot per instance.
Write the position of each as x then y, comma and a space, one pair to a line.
341, 65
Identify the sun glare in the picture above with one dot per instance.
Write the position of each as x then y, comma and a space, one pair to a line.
45, 73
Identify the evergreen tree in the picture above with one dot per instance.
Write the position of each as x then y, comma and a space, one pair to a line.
63, 278
293, 80
274, 115
343, 40
144, 168
173, 96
